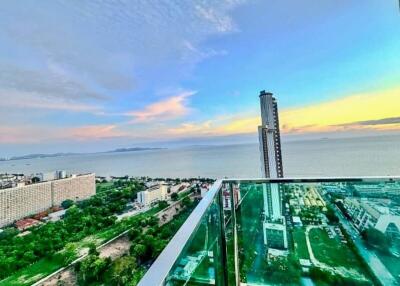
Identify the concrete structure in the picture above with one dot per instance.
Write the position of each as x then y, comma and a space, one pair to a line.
269, 137
20, 202
153, 194
275, 235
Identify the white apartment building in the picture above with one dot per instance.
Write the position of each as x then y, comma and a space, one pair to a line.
153, 194
19, 202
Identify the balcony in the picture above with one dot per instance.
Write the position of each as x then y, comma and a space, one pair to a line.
287, 232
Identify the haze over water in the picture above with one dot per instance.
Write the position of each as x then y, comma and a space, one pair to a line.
366, 156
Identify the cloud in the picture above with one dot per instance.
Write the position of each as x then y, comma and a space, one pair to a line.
105, 42
383, 121
94, 132
343, 114
167, 109
28, 101
375, 111
31, 134
45, 83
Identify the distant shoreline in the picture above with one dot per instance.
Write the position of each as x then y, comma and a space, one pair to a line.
41, 156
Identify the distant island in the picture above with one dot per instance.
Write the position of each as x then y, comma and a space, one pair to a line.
118, 150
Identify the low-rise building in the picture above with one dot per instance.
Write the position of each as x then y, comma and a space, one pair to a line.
153, 194
26, 223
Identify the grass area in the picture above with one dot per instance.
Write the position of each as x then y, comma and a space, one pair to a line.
332, 251
299, 238
33, 273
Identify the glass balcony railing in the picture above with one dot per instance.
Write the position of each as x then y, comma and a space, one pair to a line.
287, 232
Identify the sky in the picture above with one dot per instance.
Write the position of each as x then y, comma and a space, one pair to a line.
81, 76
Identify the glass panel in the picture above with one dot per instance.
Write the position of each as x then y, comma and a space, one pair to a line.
201, 262
337, 233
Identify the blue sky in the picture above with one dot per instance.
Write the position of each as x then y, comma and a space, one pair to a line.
95, 75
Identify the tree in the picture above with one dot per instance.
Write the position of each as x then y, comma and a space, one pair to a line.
376, 239
93, 249
92, 268
186, 202
69, 253
331, 216
174, 196
122, 270
134, 233
67, 204
162, 204
139, 251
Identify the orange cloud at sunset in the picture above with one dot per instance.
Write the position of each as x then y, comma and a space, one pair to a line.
170, 108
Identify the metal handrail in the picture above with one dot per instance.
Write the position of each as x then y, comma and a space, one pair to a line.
158, 272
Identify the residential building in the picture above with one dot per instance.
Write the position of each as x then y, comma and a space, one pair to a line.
20, 202
269, 137
153, 194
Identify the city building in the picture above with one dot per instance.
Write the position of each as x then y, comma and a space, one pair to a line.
19, 202
153, 194
269, 137
11, 180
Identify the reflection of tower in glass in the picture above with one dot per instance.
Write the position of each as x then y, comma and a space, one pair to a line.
272, 201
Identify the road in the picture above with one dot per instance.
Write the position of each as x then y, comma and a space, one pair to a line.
379, 269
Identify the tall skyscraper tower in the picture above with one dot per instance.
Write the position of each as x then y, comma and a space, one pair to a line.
269, 137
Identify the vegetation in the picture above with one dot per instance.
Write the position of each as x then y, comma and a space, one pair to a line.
325, 250
377, 239
323, 277
81, 220
148, 240
299, 238
331, 216
174, 196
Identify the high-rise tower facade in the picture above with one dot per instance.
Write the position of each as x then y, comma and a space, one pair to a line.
269, 137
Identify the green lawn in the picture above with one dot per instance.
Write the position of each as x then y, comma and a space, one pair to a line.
332, 251
34, 272
299, 238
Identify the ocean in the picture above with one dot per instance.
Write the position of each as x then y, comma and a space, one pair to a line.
366, 156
